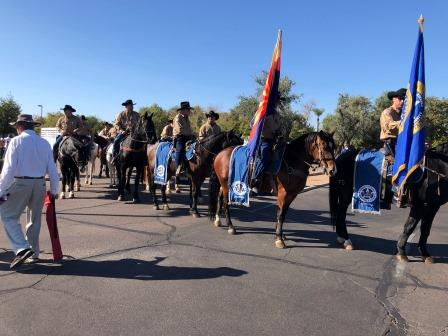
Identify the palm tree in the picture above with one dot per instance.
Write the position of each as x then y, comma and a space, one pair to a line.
318, 112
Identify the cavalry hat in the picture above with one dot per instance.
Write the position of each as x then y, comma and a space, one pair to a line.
185, 105
25, 119
128, 102
401, 94
212, 114
68, 107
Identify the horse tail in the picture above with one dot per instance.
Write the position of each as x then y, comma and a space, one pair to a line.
213, 191
334, 200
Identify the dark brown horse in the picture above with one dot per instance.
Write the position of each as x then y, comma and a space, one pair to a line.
426, 197
300, 154
199, 167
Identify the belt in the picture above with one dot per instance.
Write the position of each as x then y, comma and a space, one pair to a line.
29, 177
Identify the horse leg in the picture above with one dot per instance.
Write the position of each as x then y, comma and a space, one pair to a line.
284, 200
72, 177
341, 224
64, 181
225, 192
168, 186
219, 209
138, 174
154, 196
164, 201
121, 177
194, 192
425, 229
77, 176
176, 184
146, 178
128, 179
409, 227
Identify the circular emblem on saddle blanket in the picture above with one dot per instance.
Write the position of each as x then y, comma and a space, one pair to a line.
239, 188
160, 171
367, 193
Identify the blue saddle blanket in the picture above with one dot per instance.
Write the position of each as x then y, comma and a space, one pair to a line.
163, 154
190, 151
367, 184
238, 176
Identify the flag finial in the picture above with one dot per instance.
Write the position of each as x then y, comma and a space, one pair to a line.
420, 22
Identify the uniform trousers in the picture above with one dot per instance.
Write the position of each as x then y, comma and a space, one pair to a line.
29, 194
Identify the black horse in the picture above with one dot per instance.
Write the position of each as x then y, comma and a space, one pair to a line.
133, 154
426, 197
72, 158
198, 168
102, 144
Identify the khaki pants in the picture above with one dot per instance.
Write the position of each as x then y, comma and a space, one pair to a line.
29, 194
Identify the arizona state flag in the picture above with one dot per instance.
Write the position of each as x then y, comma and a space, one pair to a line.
411, 134
268, 99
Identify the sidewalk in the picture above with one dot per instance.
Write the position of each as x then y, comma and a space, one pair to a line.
316, 179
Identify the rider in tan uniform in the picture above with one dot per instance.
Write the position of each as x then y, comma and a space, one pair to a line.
390, 120
68, 125
210, 127
126, 120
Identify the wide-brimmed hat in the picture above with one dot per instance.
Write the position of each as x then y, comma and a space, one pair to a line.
212, 114
128, 102
185, 105
401, 94
68, 107
25, 119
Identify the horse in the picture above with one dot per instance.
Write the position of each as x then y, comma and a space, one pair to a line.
72, 160
133, 154
198, 167
111, 167
94, 153
426, 197
103, 143
300, 154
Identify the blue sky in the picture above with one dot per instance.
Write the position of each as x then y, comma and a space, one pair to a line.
94, 54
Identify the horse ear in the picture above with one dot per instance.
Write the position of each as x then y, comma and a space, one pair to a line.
145, 115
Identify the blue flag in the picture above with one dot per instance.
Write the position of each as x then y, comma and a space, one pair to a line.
411, 134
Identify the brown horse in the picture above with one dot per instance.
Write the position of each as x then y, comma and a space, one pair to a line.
199, 167
300, 154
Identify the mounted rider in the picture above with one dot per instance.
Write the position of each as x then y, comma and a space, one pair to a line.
272, 134
209, 128
126, 120
68, 125
182, 132
104, 133
390, 121
167, 132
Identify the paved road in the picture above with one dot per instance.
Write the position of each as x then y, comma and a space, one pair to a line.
131, 270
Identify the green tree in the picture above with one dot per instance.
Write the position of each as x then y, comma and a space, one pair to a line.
242, 114
355, 120
318, 112
95, 124
9, 110
436, 114
329, 123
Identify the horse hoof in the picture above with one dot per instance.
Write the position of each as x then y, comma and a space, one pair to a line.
279, 243
120, 198
71, 195
231, 231
166, 207
90, 183
110, 186
62, 196
218, 223
401, 258
349, 247
196, 215
340, 240
136, 200
428, 260
177, 191
156, 207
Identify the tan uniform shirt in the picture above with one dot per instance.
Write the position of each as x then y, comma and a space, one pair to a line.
208, 129
167, 132
181, 126
104, 133
272, 126
125, 120
390, 121
112, 133
68, 125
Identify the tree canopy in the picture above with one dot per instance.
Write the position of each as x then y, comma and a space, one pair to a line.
9, 110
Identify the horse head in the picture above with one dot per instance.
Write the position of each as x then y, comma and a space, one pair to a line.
147, 128
323, 152
233, 138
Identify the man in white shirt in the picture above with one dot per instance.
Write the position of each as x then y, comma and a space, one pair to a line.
22, 184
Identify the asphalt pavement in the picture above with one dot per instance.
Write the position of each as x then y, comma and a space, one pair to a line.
132, 270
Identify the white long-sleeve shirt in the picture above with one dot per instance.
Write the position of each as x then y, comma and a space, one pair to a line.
28, 155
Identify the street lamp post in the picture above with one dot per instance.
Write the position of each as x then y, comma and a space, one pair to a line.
41, 111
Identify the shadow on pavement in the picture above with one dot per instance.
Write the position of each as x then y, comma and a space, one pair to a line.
133, 269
